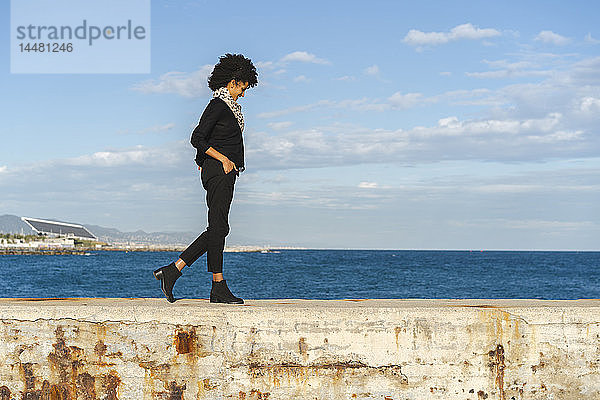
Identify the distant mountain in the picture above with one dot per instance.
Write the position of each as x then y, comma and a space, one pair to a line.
13, 224
113, 235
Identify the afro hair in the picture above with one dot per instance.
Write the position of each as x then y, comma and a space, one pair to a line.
232, 66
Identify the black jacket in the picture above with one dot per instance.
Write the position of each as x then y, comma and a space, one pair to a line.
218, 128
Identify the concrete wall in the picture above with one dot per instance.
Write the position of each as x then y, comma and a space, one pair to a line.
299, 349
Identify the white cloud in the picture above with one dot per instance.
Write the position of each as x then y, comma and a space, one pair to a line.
506, 69
529, 139
590, 104
465, 97
494, 126
278, 67
562, 92
363, 104
510, 65
264, 64
3, 168
279, 125
585, 72
468, 31
507, 73
160, 128
301, 78
590, 39
465, 31
165, 155
367, 185
341, 198
446, 73
552, 38
151, 129
271, 71
187, 84
291, 110
396, 101
346, 78
372, 70
449, 122
112, 158
303, 56
399, 100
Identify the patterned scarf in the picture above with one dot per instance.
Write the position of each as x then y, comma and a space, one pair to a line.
236, 108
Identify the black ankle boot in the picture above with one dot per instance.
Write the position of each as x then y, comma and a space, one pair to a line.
167, 276
220, 293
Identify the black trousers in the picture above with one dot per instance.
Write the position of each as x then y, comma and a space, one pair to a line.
219, 194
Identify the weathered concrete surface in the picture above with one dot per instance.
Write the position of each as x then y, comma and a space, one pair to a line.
299, 349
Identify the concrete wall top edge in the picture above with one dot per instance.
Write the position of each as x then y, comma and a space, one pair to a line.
201, 312
302, 303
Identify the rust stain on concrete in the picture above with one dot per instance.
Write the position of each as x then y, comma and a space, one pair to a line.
86, 389
100, 349
185, 341
254, 394
28, 377
207, 385
56, 392
52, 392
336, 370
303, 347
64, 360
110, 384
157, 371
173, 392
397, 331
540, 365
497, 366
435, 389
47, 392
176, 391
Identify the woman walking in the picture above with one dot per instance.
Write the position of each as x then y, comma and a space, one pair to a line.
220, 157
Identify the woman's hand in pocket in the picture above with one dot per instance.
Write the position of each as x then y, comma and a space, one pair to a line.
228, 165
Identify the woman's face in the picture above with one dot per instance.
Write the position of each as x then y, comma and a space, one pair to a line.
236, 89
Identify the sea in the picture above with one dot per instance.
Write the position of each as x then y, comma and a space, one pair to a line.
313, 274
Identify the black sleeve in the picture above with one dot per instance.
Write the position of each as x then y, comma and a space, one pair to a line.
208, 120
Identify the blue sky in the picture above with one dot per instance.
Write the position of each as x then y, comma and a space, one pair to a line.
382, 124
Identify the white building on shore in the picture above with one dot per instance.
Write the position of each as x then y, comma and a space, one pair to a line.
59, 229
49, 243
52, 235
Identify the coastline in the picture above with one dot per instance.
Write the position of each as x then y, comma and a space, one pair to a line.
127, 248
